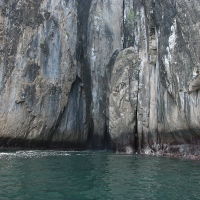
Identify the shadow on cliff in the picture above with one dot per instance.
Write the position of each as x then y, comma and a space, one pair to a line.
171, 140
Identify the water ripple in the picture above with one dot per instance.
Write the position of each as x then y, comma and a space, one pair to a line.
95, 175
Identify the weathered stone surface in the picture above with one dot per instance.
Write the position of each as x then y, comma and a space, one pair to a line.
37, 67
194, 85
113, 73
167, 113
167, 105
123, 99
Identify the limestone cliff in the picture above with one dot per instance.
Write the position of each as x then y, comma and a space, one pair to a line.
101, 73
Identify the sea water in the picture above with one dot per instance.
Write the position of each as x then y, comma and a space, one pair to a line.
96, 175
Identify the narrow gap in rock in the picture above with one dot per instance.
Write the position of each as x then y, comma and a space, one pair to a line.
90, 136
136, 138
124, 45
136, 134
107, 139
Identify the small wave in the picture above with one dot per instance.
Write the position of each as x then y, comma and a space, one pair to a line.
5, 154
33, 154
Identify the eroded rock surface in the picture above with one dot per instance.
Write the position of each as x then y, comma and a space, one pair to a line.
38, 68
123, 99
116, 73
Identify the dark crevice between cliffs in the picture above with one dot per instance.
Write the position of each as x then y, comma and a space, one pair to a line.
136, 133
84, 68
137, 140
128, 27
83, 10
90, 135
107, 143
123, 28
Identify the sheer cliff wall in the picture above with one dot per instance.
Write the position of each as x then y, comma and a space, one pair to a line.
120, 74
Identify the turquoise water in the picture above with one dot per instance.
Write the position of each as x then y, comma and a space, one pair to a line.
96, 175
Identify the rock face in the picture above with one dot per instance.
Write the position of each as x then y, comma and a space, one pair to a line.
122, 74
123, 99
38, 71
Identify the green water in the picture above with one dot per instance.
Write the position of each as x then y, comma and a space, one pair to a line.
96, 175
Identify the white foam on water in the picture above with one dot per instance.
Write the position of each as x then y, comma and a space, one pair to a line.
33, 154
